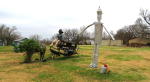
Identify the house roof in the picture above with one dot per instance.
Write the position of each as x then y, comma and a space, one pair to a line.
20, 39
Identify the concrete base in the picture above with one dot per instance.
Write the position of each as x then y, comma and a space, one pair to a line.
93, 66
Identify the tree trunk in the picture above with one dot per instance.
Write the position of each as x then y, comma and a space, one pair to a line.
28, 57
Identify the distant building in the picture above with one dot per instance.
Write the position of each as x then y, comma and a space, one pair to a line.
1, 43
18, 41
142, 40
138, 42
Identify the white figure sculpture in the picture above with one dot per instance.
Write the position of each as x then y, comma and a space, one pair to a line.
98, 38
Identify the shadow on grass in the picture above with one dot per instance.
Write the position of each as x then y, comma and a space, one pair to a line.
75, 58
66, 58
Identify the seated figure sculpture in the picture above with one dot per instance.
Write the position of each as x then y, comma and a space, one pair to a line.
59, 39
60, 46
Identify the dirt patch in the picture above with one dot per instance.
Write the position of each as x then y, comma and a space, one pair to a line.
145, 54
15, 77
88, 52
9, 66
77, 78
46, 68
135, 63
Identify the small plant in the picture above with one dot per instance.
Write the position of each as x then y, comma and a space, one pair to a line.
30, 47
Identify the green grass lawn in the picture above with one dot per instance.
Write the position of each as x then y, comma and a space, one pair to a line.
126, 65
6, 49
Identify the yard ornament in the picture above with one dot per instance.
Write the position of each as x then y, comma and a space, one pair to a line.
105, 69
98, 37
70, 48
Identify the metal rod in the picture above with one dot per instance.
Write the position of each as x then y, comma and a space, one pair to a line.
86, 28
109, 33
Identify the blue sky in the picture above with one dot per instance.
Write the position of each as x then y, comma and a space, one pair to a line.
45, 17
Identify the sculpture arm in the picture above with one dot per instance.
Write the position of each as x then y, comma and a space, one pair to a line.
109, 33
85, 29
81, 33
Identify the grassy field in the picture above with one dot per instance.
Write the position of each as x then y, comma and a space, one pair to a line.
126, 64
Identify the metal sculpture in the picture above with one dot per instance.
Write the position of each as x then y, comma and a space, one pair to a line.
98, 38
61, 47
70, 48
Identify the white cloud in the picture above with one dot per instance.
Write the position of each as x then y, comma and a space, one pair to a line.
47, 16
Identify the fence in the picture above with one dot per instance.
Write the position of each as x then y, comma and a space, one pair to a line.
112, 43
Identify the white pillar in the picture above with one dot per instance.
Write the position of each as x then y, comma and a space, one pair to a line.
97, 40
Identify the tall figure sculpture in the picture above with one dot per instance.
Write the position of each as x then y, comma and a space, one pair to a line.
97, 40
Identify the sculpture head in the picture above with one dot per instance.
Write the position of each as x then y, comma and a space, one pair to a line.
99, 14
60, 31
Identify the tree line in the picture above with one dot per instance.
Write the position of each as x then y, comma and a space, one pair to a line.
137, 30
8, 34
72, 35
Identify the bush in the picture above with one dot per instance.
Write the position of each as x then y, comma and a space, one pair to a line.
29, 46
16, 48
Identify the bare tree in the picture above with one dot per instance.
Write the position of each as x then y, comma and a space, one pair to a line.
132, 31
106, 36
140, 28
124, 34
46, 41
85, 36
2, 36
146, 15
69, 35
72, 35
35, 37
8, 35
11, 35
